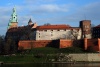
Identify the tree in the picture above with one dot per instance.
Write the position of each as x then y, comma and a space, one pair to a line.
74, 35
1, 43
92, 26
7, 46
10, 46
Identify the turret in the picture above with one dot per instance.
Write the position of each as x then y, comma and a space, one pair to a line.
30, 22
85, 25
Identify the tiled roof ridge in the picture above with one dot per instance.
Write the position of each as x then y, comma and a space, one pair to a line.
59, 26
98, 25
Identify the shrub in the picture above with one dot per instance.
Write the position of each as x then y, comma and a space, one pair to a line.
71, 50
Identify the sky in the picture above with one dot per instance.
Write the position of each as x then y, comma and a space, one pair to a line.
49, 11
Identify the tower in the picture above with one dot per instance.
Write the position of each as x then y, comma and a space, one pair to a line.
30, 22
85, 25
13, 22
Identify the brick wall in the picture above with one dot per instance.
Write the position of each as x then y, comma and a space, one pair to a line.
44, 43
65, 43
93, 44
33, 44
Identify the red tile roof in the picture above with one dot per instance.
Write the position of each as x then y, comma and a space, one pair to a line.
98, 25
45, 27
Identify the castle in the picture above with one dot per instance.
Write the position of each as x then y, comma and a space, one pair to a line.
60, 36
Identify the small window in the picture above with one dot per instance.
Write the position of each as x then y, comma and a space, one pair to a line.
51, 30
58, 30
45, 30
51, 34
39, 36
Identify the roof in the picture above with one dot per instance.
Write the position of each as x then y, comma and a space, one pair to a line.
22, 28
30, 20
97, 26
46, 27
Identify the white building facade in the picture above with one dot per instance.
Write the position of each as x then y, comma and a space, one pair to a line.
54, 32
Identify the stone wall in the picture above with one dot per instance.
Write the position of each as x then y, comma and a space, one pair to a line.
86, 57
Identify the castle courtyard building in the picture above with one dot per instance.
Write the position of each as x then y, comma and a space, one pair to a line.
54, 32
96, 31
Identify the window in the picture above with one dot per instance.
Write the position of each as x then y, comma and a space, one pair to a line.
45, 30
39, 36
87, 26
86, 29
51, 30
84, 26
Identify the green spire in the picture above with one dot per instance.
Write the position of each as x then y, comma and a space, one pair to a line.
14, 16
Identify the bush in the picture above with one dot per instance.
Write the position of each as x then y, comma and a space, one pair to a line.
71, 50
39, 55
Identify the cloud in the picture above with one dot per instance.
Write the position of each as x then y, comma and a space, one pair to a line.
89, 11
92, 11
23, 20
50, 8
3, 30
38, 1
5, 10
50, 12
53, 8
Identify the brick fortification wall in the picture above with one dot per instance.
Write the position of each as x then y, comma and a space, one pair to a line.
65, 43
93, 44
45, 43
87, 44
38, 43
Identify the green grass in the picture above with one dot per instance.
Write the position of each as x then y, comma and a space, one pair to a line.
50, 50
38, 54
16, 59
47, 50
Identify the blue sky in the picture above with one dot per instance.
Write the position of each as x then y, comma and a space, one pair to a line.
50, 11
